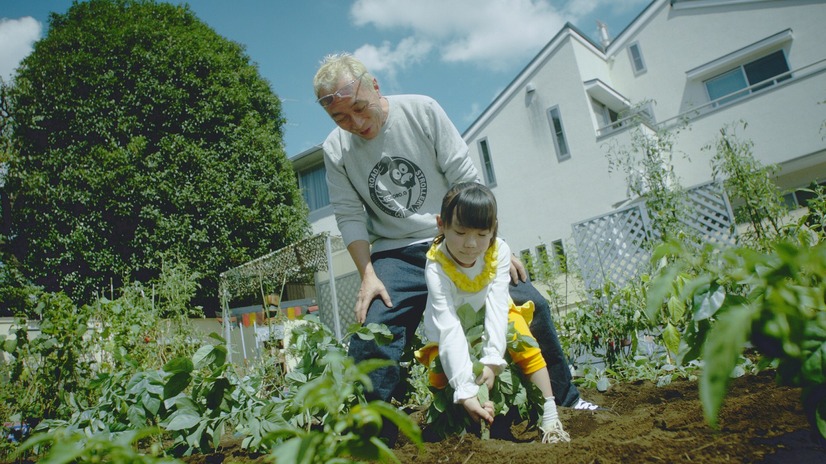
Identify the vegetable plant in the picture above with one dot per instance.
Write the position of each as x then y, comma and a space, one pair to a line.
510, 390
347, 432
774, 300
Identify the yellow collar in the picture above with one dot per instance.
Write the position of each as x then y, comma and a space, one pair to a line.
459, 278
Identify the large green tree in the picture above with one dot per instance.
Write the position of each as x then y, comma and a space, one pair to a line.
143, 135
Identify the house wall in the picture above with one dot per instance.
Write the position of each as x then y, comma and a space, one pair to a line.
540, 197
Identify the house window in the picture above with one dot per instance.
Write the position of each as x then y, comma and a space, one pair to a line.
635, 54
607, 116
527, 261
555, 118
743, 80
487, 163
313, 184
559, 255
542, 257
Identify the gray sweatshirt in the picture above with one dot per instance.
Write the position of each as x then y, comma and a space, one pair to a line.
388, 190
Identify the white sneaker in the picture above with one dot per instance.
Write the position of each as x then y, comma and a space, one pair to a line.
584, 405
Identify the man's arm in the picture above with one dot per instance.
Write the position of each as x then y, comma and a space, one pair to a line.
371, 285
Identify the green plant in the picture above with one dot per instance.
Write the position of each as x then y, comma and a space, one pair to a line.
191, 399
510, 390
750, 183
62, 447
552, 273
775, 299
607, 325
345, 433
148, 324
45, 370
816, 217
648, 164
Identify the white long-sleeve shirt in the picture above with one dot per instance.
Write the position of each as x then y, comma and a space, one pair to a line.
442, 324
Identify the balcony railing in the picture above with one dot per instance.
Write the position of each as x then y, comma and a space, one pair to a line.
777, 81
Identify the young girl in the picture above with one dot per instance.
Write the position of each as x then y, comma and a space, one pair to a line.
469, 265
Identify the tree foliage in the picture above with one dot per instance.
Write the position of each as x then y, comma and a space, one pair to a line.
142, 135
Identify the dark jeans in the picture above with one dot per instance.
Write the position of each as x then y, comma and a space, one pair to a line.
402, 272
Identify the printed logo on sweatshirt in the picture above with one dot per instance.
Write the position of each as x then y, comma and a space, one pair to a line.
397, 186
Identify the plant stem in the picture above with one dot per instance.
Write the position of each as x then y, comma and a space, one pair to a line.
483, 397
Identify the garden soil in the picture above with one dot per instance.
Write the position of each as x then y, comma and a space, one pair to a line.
760, 422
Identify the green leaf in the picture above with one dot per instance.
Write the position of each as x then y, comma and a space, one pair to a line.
152, 404
659, 291
202, 356
723, 346
215, 395
469, 317
676, 309
178, 365
814, 366
136, 415
176, 384
182, 420
671, 338
213, 356
708, 301
404, 422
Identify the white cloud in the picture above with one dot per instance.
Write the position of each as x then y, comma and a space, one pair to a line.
493, 34
389, 59
17, 36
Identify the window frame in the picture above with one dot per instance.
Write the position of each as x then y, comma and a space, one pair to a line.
526, 258
560, 257
558, 133
322, 197
642, 67
742, 72
487, 162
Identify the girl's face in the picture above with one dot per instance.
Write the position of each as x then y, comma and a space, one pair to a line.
465, 244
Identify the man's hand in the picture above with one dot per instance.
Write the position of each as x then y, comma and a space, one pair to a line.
477, 411
517, 270
371, 287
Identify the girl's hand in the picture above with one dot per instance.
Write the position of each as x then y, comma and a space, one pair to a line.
477, 411
487, 377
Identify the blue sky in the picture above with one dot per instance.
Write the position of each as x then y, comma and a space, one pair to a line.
461, 52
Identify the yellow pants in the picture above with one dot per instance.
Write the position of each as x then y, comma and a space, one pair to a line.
529, 359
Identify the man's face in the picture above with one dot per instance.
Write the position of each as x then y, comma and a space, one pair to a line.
360, 113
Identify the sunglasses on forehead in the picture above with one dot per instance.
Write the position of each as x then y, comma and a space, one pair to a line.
345, 91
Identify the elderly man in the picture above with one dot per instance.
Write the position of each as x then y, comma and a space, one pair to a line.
389, 163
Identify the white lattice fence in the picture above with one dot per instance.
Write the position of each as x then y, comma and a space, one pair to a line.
712, 215
293, 264
612, 247
347, 290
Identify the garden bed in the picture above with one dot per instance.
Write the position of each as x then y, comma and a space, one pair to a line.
759, 422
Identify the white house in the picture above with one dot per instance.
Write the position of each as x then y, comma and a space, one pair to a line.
542, 143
